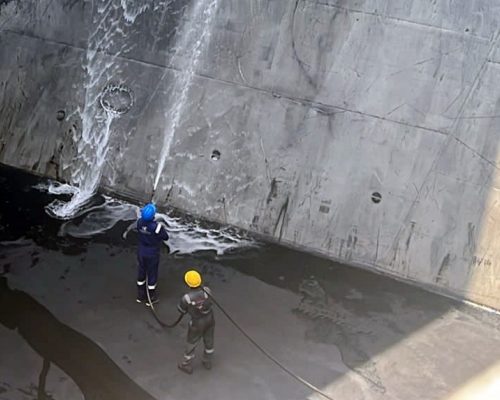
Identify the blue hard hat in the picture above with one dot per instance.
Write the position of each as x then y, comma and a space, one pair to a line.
148, 212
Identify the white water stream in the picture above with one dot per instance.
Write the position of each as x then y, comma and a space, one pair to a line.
190, 48
111, 21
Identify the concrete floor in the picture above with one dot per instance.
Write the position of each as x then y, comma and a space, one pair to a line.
70, 328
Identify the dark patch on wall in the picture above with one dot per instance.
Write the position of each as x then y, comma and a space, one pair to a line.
324, 209
281, 219
2, 2
443, 268
71, 3
352, 240
273, 191
471, 239
408, 240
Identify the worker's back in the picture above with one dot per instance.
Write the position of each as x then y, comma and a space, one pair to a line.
197, 303
151, 236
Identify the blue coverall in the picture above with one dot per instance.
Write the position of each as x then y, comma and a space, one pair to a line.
151, 236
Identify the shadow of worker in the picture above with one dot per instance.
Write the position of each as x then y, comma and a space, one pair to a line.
93, 371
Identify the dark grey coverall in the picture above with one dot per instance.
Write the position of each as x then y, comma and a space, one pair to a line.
199, 306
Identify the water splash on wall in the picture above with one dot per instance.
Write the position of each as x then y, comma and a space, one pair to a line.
111, 20
191, 43
133, 8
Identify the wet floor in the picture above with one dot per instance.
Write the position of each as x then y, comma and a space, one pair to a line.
70, 327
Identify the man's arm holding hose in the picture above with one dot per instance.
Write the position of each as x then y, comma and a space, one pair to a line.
132, 226
161, 231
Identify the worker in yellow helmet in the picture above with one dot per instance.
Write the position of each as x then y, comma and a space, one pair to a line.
198, 305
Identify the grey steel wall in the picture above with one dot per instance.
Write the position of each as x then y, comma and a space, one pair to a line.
313, 104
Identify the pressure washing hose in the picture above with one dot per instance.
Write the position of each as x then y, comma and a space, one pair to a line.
259, 347
266, 353
163, 324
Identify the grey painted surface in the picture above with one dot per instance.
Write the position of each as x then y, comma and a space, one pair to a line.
314, 105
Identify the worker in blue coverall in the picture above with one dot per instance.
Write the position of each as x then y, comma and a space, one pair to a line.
151, 236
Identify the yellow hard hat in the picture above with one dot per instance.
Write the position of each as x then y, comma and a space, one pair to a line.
192, 279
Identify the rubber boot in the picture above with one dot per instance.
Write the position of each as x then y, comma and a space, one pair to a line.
186, 367
153, 296
207, 360
207, 363
141, 293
